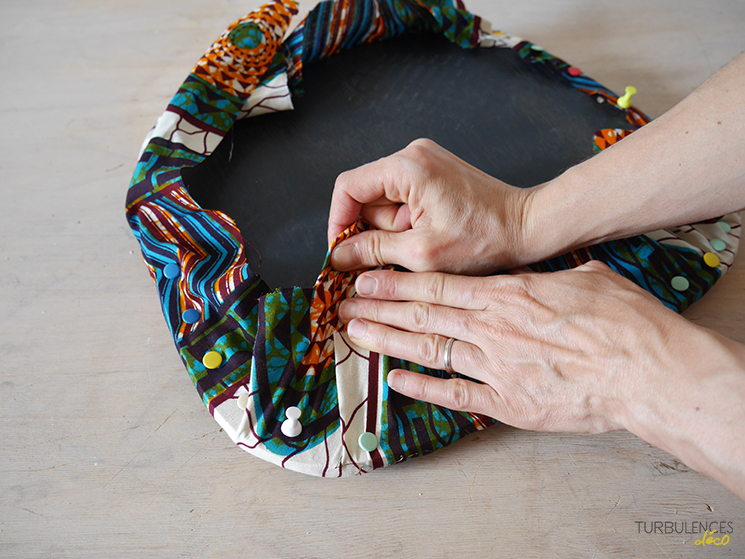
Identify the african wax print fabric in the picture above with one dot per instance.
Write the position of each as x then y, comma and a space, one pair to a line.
282, 348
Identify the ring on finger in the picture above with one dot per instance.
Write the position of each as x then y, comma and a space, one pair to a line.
448, 355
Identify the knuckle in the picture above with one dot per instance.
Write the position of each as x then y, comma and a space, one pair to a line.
380, 337
370, 309
421, 145
458, 394
434, 289
374, 250
342, 181
386, 288
598, 266
471, 322
423, 256
418, 388
421, 155
429, 351
516, 291
420, 316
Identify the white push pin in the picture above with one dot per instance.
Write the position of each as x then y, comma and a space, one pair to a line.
291, 427
625, 101
243, 405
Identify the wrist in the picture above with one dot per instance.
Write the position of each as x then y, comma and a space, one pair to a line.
518, 241
551, 221
691, 404
579, 208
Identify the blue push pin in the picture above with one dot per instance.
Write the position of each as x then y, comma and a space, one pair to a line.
171, 271
190, 316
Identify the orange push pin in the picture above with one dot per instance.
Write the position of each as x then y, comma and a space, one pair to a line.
625, 101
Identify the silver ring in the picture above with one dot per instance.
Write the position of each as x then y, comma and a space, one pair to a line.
448, 351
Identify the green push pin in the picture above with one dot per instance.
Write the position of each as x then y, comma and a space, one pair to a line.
679, 283
718, 244
368, 442
625, 101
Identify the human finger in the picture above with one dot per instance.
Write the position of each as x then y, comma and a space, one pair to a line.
344, 211
370, 249
412, 317
463, 292
357, 187
427, 350
455, 393
387, 215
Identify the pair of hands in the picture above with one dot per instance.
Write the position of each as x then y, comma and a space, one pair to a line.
559, 352
582, 350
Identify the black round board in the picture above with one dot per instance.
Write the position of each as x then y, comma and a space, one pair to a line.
513, 120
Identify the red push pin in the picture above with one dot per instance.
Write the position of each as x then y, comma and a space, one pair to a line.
574, 71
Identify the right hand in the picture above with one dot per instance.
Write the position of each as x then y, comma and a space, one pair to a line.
432, 212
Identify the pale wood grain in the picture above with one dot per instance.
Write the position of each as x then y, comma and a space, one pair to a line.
107, 450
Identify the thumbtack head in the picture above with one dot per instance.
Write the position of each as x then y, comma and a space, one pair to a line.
291, 427
624, 102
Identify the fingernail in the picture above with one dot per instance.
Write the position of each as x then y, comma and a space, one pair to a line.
357, 329
349, 309
344, 257
366, 285
395, 380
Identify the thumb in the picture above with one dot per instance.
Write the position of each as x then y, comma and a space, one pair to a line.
369, 249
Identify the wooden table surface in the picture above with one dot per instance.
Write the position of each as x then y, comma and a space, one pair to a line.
106, 449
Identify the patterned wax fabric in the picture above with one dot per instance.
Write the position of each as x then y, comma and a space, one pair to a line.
253, 352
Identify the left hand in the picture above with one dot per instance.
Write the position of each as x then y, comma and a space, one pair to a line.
564, 351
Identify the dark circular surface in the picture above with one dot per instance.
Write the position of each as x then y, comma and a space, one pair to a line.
512, 120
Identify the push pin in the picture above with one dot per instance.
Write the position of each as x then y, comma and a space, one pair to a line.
718, 244
191, 316
242, 402
368, 442
212, 359
711, 260
624, 102
291, 427
171, 271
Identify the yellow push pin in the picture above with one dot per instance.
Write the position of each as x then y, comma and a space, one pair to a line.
625, 101
212, 359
